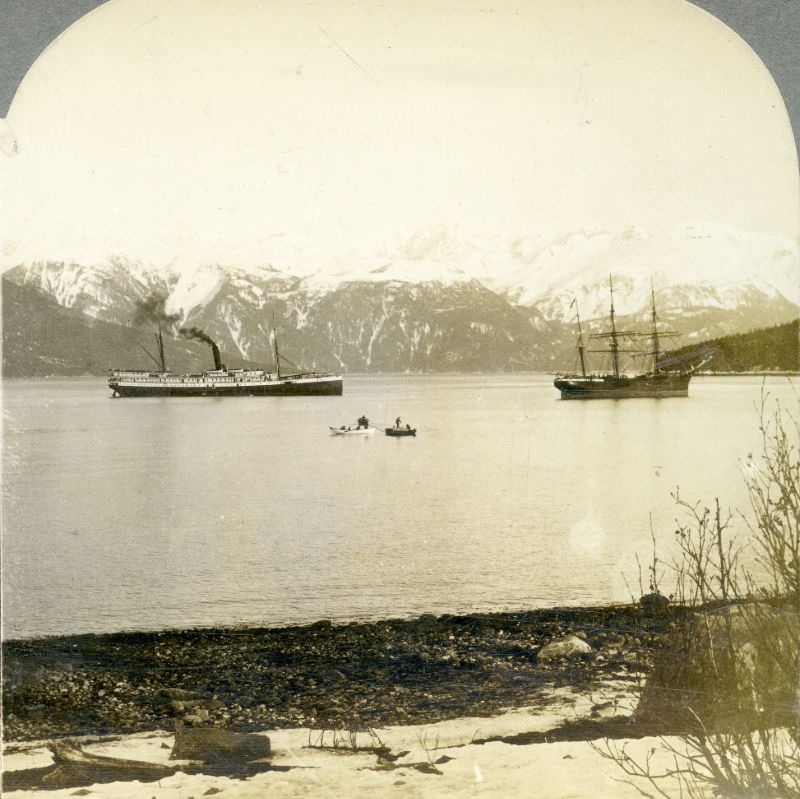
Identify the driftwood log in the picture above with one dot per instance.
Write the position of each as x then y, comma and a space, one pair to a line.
221, 751
73, 766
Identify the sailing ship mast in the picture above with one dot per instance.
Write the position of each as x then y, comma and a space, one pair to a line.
581, 348
660, 359
660, 381
656, 349
613, 333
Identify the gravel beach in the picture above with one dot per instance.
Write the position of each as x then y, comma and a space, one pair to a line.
320, 676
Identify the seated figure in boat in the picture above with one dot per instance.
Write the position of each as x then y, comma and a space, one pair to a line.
363, 422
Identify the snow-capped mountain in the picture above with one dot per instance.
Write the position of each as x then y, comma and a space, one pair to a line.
440, 302
384, 325
695, 267
109, 291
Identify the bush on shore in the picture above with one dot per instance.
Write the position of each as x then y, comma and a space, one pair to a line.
728, 676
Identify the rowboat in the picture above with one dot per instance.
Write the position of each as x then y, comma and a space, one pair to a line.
401, 431
345, 430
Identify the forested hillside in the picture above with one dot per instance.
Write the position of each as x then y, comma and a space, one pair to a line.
768, 349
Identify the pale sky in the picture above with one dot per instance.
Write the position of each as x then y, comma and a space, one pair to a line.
301, 134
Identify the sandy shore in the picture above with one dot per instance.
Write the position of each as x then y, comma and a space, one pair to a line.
464, 704
558, 770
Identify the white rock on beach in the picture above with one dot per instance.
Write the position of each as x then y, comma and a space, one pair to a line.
568, 646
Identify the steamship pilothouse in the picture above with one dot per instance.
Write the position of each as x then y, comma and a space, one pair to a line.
220, 381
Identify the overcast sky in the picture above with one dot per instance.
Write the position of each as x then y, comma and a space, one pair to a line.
304, 133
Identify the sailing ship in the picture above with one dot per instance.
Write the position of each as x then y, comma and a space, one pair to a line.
665, 378
221, 381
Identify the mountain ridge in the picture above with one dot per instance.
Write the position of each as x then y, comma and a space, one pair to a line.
381, 320
705, 263
42, 338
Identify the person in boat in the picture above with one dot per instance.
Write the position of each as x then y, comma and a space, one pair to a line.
363, 422
397, 423
408, 426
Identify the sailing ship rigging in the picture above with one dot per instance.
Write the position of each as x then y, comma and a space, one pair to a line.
664, 378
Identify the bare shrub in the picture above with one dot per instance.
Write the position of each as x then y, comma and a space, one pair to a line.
773, 483
728, 680
353, 738
429, 743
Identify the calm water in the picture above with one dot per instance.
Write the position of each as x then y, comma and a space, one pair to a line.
146, 514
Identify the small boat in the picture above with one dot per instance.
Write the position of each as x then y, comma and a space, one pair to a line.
401, 431
346, 430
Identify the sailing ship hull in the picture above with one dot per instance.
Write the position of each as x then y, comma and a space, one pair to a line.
654, 386
199, 387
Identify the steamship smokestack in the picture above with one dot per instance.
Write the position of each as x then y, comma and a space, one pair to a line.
197, 334
215, 352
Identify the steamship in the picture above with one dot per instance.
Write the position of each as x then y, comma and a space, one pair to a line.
221, 381
665, 378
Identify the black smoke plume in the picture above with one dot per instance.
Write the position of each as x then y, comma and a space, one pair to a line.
195, 333
152, 310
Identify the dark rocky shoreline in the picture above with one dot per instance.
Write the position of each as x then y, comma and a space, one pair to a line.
321, 676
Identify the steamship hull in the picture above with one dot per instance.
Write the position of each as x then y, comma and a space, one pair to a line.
652, 386
192, 386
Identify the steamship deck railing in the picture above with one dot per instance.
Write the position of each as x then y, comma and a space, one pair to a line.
192, 380
128, 377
